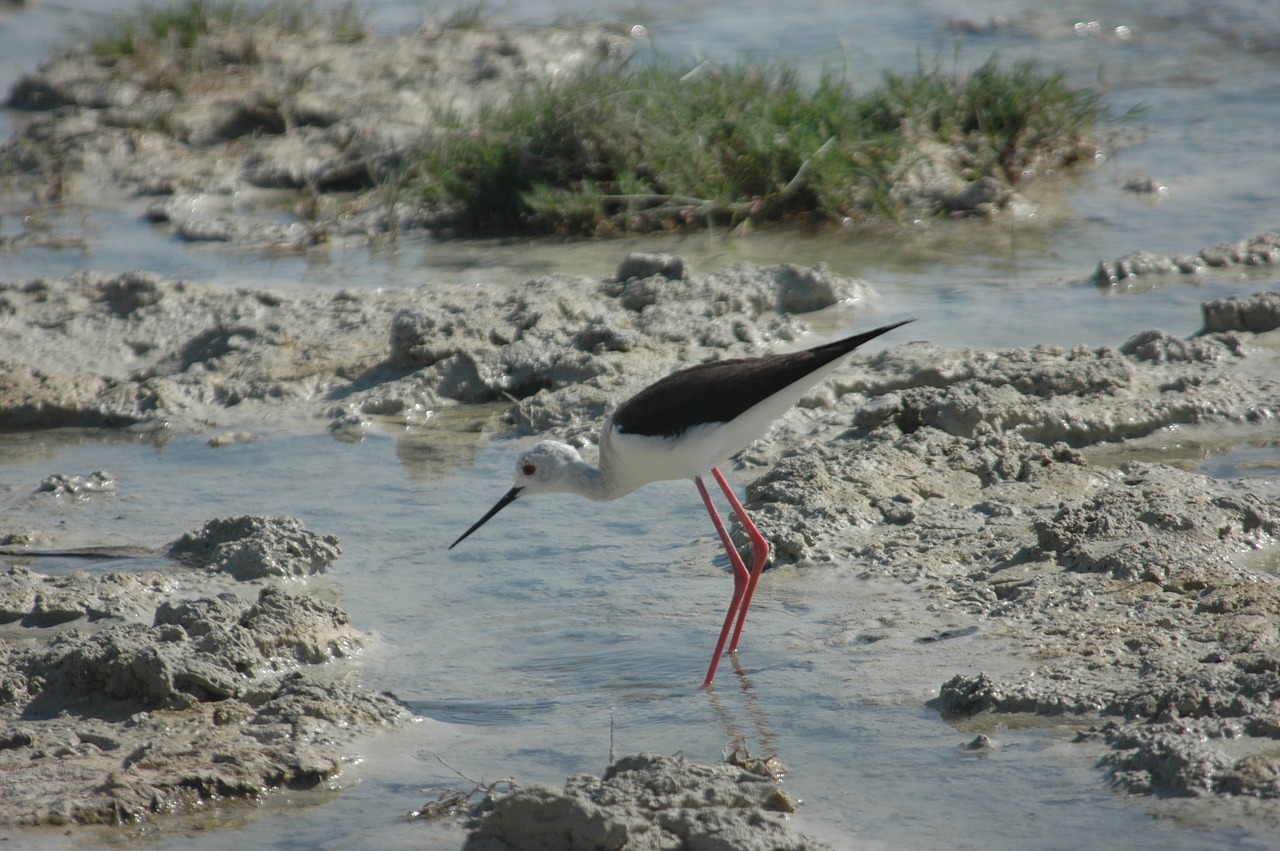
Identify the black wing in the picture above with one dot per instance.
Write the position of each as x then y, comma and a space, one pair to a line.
719, 391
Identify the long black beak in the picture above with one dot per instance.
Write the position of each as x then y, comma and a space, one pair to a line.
502, 503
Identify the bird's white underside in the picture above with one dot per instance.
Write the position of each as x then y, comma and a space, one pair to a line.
630, 461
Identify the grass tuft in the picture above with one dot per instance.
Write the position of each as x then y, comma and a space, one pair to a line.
180, 27
656, 146
1018, 112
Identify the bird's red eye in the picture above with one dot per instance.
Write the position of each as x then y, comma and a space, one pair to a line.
528, 469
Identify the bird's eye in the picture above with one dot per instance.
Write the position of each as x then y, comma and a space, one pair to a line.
528, 469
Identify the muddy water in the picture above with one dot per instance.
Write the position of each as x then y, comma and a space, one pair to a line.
569, 628
569, 625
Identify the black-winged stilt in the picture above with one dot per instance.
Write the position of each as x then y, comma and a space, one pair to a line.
680, 428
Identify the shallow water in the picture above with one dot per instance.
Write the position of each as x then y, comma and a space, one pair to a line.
551, 638
566, 626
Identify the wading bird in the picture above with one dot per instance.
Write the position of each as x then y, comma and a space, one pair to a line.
683, 427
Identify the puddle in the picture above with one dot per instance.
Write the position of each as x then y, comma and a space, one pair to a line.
1246, 462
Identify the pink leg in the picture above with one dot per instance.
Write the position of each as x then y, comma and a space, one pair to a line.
741, 579
759, 551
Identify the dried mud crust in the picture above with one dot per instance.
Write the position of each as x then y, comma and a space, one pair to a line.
135, 349
644, 802
128, 695
1259, 251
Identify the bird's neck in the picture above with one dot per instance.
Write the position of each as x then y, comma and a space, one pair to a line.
614, 478
592, 482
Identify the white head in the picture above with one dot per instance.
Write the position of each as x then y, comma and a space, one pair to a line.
548, 466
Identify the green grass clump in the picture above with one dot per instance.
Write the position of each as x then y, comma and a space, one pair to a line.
654, 146
176, 26
180, 27
1021, 112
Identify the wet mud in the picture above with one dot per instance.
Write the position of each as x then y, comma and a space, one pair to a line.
1142, 594
130, 695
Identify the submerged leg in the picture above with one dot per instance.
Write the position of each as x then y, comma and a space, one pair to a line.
759, 551
741, 579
